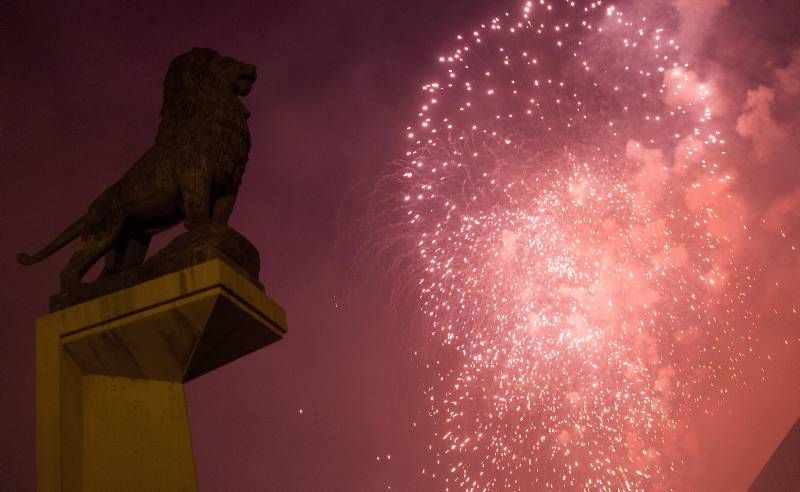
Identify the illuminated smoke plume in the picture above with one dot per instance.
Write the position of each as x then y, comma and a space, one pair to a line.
576, 231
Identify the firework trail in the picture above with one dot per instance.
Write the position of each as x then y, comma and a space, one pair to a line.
565, 188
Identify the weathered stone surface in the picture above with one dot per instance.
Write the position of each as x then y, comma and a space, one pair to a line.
111, 412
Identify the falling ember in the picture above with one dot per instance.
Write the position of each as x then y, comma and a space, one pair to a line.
566, 192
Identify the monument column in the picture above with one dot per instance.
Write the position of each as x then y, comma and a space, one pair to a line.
113, 355
111, 410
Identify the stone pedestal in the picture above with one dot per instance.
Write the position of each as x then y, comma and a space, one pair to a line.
110, 374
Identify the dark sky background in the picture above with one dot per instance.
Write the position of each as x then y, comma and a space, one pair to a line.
338, 83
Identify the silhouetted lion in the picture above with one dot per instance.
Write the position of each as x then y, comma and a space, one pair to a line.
191, 174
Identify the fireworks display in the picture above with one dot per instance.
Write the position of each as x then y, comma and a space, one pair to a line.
575, 230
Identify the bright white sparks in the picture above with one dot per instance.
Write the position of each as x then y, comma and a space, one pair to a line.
574, 232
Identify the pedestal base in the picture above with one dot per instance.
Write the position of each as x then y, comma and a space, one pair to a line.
111, 413
135, 436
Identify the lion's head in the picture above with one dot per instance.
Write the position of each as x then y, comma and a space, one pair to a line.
205, 74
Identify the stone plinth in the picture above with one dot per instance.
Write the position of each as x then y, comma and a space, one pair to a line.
111, 412
193, 247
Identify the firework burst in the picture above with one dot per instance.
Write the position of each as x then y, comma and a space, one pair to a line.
574, 230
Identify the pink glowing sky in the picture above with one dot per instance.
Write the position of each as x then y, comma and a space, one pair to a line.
337, 404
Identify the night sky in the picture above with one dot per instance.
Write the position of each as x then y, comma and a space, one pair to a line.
337, 404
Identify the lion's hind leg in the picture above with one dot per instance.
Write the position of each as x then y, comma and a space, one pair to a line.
90, 250
129, 250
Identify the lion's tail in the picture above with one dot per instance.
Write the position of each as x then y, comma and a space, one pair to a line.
62, 240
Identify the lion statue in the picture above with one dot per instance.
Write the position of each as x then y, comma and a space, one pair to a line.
191, 174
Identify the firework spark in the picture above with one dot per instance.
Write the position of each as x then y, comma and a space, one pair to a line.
575, 235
